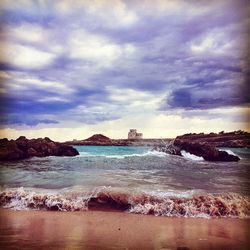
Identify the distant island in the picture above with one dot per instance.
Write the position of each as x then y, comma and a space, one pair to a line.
235, 139
102, 140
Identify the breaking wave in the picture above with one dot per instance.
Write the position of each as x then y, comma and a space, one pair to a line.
192, 157
229, 152
123, 156
206, 206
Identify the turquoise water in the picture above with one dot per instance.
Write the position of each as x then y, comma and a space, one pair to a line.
128, 167
119, 171
111, 151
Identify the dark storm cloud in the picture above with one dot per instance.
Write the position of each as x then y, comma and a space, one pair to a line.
190, 98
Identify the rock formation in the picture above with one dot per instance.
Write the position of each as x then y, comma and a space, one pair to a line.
202, 149
98, 138
23, 148
235, 139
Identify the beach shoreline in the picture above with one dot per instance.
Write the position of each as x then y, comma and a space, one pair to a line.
118, 230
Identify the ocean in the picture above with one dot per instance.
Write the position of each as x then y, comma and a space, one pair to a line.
130, 179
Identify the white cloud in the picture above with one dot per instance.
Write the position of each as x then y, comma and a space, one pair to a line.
96, 48
22, 82
134, 98
18, 4
4, 75
48, 85
26, 32
30, 45
24, 56
180, 7
53, 99
215, 42
112, 13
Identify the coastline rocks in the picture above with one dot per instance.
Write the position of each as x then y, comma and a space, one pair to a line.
235, 139
10, 151
23, 148
201, 149
205, 150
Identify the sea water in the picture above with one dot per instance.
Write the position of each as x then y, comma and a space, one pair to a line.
131, 179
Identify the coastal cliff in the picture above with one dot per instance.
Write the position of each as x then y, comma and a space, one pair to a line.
23, 148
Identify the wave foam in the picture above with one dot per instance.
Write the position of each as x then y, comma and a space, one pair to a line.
229, 152
117, 156
227, 205
192, 157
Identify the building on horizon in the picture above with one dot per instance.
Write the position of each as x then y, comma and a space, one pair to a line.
132, 134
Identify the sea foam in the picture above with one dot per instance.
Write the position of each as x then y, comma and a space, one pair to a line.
152, 153
203, 205
192, 157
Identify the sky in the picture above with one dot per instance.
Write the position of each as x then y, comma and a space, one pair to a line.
70, 69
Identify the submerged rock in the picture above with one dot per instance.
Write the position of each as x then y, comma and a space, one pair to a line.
23, 148
201, 149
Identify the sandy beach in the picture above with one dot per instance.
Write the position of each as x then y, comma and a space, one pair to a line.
117, 230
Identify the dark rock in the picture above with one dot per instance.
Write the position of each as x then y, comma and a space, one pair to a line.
21, 138
3, 141
202, 149
66, 150
205, 150
32, 152
236, 139
10, 151
22, 143
47, 139
23, 148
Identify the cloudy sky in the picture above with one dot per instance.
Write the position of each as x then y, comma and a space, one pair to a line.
73, 68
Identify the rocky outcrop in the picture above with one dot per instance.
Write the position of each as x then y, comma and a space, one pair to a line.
205, 150
23, 148
235, 139
98, 138
201, 149
10, 151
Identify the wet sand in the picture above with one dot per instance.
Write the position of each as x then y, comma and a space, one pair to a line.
117, 230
